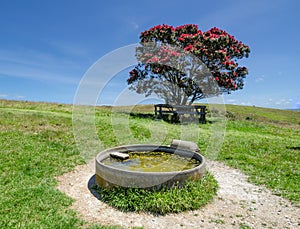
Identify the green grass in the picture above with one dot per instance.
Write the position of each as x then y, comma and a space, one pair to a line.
193, 195
245, 226
264, 151
29, 164
37, 145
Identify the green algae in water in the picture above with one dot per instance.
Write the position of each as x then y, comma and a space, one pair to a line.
153, 162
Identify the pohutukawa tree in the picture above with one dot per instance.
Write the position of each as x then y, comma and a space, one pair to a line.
183, 64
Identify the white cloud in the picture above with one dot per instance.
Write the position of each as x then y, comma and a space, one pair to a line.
36, 74
20, 97
258, 79
296, 105
34, 65
9, 96
134, 25
231, 101
284, 102
70, 49
246, 104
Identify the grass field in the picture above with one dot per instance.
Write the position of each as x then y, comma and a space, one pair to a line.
37, 144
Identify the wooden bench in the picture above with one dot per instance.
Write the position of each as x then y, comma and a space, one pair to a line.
178, 111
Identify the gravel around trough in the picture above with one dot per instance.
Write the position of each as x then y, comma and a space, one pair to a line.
238, 204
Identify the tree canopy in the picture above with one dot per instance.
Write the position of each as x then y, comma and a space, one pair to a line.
183, 64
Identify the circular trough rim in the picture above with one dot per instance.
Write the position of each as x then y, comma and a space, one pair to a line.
127, 147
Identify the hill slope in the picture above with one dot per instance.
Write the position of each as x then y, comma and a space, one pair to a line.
37, 144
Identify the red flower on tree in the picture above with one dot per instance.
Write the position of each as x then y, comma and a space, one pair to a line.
215, 48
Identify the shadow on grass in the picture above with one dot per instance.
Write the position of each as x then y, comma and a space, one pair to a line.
172, 119
293, 147
92, 187
166, 118
143, 115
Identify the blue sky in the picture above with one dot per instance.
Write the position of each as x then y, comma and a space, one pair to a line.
46, 47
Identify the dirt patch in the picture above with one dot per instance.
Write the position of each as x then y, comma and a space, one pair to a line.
238, 204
